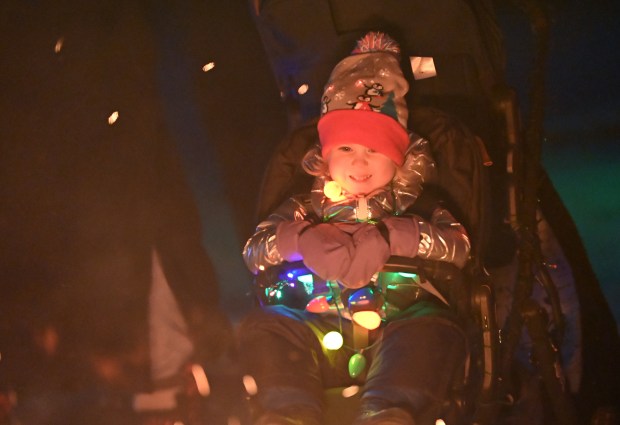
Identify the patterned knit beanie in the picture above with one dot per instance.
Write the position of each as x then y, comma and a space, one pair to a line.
364, 100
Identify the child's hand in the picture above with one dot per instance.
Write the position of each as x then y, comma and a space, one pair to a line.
371, 253
404, 235
287, 239
326, 250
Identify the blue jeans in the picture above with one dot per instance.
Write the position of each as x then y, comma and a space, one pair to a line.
413, 359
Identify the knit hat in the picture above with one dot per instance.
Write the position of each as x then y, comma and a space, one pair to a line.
364, 100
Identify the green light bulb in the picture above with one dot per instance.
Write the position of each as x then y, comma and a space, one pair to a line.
357, 364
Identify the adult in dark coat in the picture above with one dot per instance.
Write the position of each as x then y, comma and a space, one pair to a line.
91, 186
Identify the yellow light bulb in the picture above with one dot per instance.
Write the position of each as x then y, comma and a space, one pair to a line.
367, 319
332, 190
332, 340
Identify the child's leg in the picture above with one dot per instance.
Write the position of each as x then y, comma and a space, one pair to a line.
280, 349
413, 369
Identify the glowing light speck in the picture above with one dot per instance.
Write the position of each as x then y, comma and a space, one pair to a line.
113, 117
208, 67
250, 385
350, 391
440, 422
303, 89
202, 383
58, 45
233, 420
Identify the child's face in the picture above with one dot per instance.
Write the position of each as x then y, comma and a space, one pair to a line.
358, 169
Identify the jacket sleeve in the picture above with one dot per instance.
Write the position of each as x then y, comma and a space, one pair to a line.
260, 251
443, 238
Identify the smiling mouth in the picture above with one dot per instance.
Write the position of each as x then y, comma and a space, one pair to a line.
360, 179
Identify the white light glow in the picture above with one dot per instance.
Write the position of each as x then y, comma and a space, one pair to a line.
332, 340
233, 420
113, 117
250, 385
202, 383
303, 89
350, 391
58, 45
208, 67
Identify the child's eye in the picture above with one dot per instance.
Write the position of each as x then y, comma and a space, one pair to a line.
344, 149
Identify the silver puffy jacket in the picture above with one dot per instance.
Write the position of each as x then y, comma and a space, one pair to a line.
442, 237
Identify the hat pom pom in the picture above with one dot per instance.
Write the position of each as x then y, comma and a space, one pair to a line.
376, 41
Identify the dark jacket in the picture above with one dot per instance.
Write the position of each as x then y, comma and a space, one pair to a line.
85, 198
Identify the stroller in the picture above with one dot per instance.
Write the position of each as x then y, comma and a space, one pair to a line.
527, 364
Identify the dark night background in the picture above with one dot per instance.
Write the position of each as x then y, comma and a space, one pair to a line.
188, 150
582, 149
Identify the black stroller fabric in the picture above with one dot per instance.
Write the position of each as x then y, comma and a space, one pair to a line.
305, 39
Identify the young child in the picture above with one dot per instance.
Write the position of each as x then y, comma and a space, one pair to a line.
362, 209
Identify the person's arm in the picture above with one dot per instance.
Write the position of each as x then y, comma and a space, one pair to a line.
290, 234
444, 239
262, 250
441, 237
